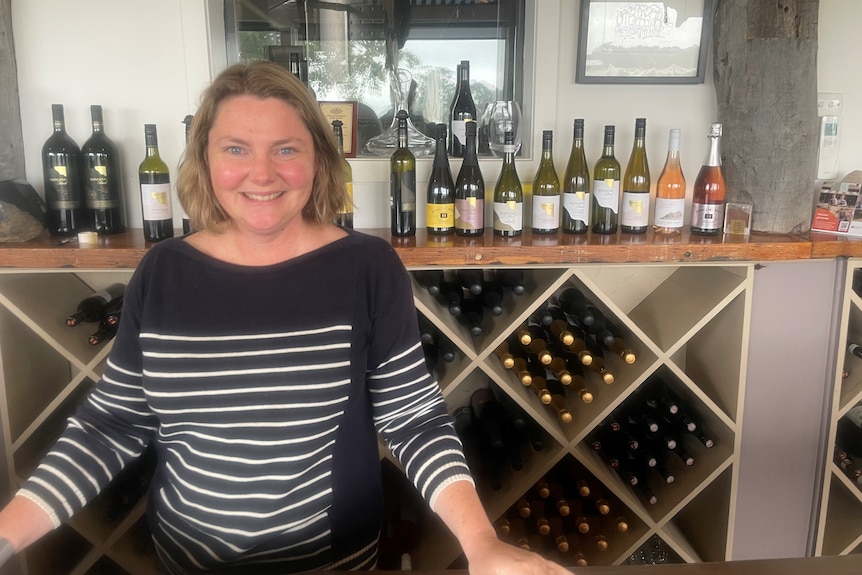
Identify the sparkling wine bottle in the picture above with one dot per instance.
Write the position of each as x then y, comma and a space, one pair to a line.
440, 197
470, 190
707, 208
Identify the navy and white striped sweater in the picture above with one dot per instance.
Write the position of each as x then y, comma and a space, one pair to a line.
262, 389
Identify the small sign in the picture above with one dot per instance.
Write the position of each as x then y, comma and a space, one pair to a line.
347, 112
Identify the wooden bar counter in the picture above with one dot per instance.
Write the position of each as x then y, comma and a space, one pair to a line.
125, 250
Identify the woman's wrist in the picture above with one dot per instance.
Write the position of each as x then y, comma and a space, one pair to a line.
6, 551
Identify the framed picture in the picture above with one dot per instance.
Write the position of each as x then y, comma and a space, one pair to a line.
345, 111
642, 42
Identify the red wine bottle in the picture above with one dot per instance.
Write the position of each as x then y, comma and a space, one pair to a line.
61, 168
95, 306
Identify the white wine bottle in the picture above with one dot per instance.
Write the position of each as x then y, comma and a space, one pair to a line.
103, 189
508, 195
546, 190
440, 197
576, 186
61, 168
634, 213
344, 218
155, 182
670, 191
402, 184
470, 190
606, 188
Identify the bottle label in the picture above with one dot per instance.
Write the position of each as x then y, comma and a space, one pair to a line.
577, 206
546, 212
707, 216
607, 194
509, 216
98, 195
403, 193
459, 131
635, 209
669, 213
470, 214
59, 194
156, 201
440, 215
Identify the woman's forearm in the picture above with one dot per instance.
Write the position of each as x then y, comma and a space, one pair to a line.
459, 507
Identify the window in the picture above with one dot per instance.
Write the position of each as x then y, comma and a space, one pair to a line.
352, 50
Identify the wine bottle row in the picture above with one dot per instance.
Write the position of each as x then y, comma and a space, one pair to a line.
103, 307
648, 440
84, 185
617, 199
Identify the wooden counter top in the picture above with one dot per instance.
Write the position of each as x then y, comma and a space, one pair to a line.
125, 250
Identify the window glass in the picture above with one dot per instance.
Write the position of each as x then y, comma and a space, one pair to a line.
358, 50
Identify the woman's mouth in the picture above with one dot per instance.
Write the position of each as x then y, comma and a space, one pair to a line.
262, 197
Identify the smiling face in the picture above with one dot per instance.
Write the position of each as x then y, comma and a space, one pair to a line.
262, 164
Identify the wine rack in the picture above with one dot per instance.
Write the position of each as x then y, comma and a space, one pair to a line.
839, 527
673, 316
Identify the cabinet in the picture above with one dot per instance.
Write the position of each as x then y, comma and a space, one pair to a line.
675, 311
839, 529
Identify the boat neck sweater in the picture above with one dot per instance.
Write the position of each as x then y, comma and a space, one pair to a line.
263, 390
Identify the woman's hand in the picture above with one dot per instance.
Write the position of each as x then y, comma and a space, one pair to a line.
494, 557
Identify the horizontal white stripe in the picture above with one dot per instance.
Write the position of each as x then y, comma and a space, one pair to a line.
264, 407
249, 461
249, 337
229, 372
251, 442
249, 390
250, 353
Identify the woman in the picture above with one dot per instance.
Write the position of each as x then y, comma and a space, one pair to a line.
261, 356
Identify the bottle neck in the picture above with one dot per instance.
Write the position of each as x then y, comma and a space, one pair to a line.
97, 127
713, 158
470, 151
152, 142
402, 135
440, 156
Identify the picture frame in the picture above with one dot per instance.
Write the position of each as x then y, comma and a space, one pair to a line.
347, 111
643, 42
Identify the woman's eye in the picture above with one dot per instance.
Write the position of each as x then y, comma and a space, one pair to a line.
285, 151
234, 150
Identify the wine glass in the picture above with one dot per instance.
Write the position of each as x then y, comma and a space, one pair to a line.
505, 117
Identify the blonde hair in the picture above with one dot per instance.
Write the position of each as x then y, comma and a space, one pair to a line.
261, 79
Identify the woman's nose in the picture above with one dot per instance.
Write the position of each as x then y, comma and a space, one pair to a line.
262, 169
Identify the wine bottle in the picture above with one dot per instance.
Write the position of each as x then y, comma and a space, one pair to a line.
471, 279
670, 191
490, 415
102, 179
546, 190
463, 111
94, 307
634, 215
604, 210
707, 208
492, 297
574, 303
470, 190
440, 197
61, 169
344, 217
508, 195
482, 461
430, 280
155, 181
402, 184
471, 316
452, 296
187, 223
105, 332
855, 349
513, 279
576, 186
